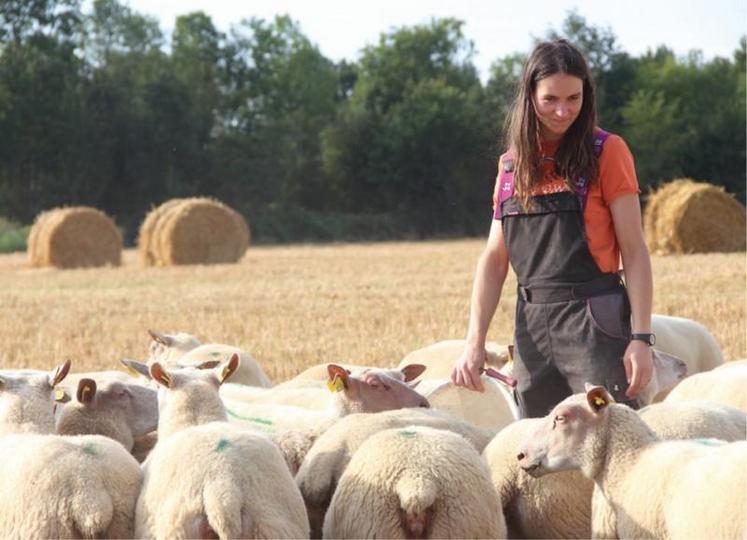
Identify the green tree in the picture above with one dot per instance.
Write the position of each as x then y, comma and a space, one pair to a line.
413, 140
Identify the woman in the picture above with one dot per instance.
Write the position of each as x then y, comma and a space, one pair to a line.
564, 237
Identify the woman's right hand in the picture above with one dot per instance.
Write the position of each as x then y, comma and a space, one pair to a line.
466, 370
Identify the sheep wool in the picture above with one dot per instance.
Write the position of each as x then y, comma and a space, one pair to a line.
325, 463
415, 482
66, 487
725, 385
220, 477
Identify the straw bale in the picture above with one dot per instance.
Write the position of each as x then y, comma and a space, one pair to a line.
200, 231
146, 240
685, 216
74, 237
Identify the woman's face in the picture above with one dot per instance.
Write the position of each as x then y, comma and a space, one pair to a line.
557, 102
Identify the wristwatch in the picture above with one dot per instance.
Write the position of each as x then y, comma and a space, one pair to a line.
646, 338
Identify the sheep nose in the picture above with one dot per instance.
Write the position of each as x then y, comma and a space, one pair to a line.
425, 404
520, 456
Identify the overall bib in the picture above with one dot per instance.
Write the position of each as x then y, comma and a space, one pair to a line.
572, 319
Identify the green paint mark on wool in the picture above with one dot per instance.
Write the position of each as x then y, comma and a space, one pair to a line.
255, 419
89, 449
710, 442
408, 434
222, 445
215, 353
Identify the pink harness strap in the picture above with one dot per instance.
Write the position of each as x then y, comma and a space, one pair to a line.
506, 177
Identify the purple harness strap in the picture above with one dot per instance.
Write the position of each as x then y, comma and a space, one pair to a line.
506, 177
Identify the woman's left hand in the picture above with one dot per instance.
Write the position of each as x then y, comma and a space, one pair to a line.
639, 367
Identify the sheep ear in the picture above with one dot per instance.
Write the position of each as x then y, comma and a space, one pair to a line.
412, 371
208, 364
136, 368
59, 373
597, 397
159, 374
163, 339
86, 391
338, 375
510, 353
229, 368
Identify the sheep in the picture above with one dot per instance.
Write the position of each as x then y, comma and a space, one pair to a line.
26, 399
415, 482
206, 477
439, 357
687, 340
185, 350
321, 469
696, 419
725, 385
494, 408
315, 395
168, 349
646, 487
58, 487
369, 392
525, 499
125, 412
66, 487
316, 374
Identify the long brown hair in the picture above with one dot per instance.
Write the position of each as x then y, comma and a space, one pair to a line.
575, 155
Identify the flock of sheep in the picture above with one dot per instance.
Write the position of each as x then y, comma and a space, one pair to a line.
196, 443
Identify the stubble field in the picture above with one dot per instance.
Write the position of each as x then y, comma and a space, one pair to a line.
294, 306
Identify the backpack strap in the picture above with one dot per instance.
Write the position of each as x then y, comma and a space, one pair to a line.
506, 177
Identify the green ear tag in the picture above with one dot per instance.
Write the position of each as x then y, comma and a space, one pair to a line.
337, 385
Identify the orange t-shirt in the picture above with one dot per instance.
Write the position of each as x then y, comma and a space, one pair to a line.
616, 177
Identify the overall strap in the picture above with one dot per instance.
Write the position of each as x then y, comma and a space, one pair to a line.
506, 176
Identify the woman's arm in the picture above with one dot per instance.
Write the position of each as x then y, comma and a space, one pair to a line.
492, 268
626, 216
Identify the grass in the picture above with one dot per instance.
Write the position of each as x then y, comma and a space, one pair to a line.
294, 306
12, 236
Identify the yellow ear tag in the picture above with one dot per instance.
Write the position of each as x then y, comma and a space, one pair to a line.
59, 394
225, 373
337, 385
132, 371
599, 401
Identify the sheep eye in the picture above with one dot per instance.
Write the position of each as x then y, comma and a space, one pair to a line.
559, 418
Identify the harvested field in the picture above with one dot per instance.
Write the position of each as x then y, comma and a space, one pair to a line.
294, 306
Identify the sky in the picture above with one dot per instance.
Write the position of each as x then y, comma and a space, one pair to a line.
341, 28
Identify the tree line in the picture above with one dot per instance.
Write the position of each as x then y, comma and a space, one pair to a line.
101, 108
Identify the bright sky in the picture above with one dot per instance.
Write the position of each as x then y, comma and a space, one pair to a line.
341, 28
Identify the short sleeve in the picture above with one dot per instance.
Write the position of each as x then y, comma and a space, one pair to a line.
616, 170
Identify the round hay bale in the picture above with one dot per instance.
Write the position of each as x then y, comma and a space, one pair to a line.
147, 241
74, 237
685, 216
200, 231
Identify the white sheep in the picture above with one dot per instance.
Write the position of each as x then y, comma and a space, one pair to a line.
689, 341
493, 409
696, 419
525, 499
371, 391
185, 350
312, 376
439, 357
329, 456
27, 400
169, 348
58, 487
66, 487
415, 482
207, 477
646, 487
725, 385
124, 411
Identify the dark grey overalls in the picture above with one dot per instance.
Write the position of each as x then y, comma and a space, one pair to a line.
572, 319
